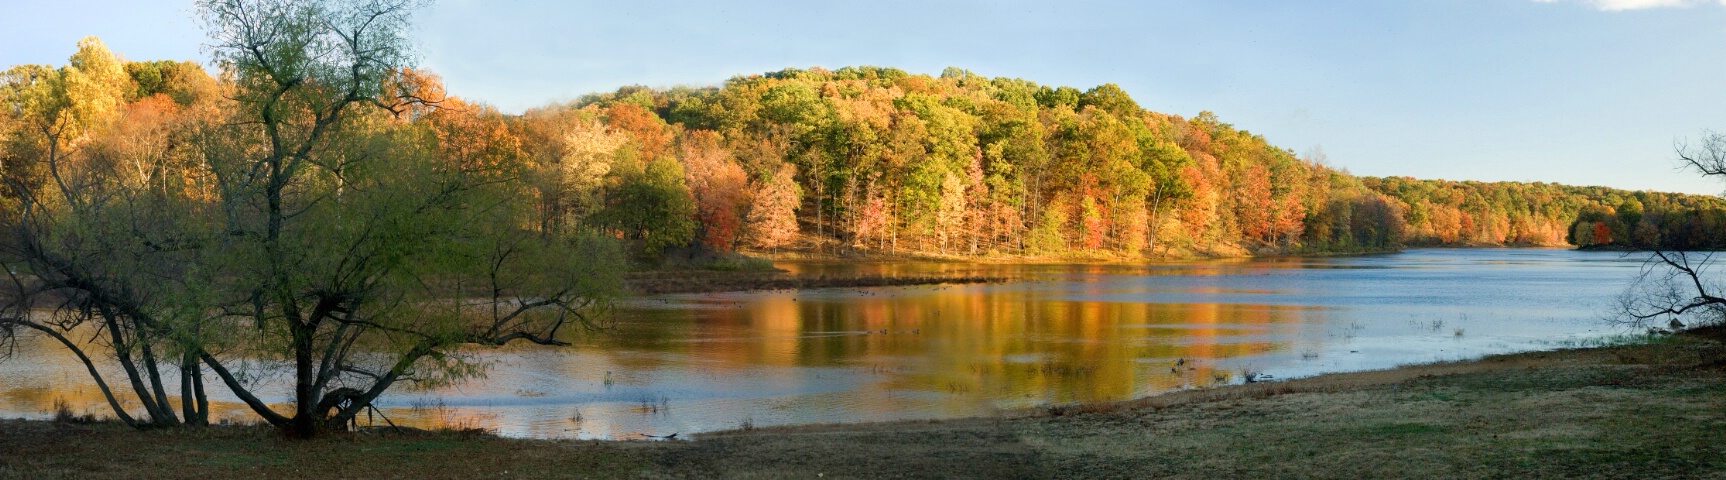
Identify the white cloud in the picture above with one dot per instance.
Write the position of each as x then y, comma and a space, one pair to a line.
1613, 5
1621, 5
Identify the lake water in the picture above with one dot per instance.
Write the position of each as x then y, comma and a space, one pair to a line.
1052, 334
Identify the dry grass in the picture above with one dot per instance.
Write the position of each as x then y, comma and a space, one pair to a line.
1646, 411
1640, 411
1643, 411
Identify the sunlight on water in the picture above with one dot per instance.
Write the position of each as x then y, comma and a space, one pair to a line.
1053, 334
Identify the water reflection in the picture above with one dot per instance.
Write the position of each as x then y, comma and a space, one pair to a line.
1053, 334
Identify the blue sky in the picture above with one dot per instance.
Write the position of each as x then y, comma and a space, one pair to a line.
1587, 92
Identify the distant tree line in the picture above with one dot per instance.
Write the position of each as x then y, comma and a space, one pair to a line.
1652, 221
1448, 213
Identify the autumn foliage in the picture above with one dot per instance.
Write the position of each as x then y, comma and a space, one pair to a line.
1445, 213
878, 160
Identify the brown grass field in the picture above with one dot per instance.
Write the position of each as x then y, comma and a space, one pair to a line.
1654, 410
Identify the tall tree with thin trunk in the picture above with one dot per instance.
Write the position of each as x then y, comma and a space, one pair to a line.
772, 220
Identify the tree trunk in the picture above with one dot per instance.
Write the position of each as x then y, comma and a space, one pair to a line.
358, 403
124, 354
1156, 220
305, 423
156, 387
200, 394
194, 406
107, 393
240, 390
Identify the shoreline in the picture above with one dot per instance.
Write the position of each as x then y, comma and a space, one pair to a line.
804, 255
697, 280
1644, 410
711, 281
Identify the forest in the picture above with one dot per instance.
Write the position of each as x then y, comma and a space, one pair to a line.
1445, 213
881, 161
869, 160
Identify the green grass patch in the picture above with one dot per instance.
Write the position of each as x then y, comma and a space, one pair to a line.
419, 446
1407, 429
1708, 389
243, 460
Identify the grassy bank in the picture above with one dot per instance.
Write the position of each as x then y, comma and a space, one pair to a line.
1643, 411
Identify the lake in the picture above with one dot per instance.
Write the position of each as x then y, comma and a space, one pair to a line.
1052, 334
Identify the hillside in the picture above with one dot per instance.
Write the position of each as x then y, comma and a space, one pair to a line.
879, 161
883, 161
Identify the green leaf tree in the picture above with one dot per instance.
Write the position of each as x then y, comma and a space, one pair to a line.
652, 205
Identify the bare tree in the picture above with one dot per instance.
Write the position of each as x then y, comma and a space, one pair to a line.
1709, 158
1675, 285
